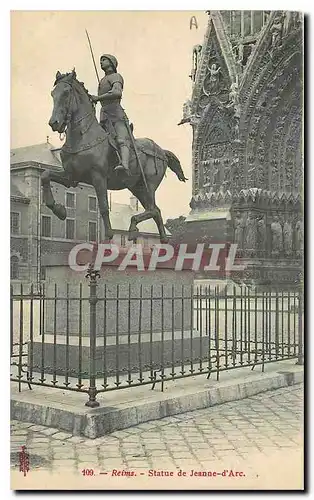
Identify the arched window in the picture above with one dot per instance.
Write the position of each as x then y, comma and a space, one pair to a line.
14, 267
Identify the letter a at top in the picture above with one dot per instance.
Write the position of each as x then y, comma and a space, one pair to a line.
193, 22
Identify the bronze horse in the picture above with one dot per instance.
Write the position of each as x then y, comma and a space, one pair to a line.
89, 155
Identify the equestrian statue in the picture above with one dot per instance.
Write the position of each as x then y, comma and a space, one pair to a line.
105, 155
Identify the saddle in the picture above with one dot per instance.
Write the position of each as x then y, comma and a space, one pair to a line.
143, 145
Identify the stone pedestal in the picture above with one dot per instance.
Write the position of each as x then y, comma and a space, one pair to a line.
133, 308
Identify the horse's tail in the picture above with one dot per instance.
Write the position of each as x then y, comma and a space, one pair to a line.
175, 166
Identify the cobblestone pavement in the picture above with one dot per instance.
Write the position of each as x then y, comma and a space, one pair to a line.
262, 424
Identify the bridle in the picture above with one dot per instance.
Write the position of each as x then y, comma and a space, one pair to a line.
69, 115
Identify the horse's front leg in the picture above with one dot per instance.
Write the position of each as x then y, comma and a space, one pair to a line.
100, 185
48, 198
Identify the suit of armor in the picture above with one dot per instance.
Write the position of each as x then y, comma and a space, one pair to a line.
112, 116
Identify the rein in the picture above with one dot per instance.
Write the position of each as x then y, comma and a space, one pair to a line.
71, 126
69, 115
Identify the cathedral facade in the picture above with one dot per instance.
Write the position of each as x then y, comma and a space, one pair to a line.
246, 112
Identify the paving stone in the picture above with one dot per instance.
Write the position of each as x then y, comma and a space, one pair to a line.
64, 464
156, 453
37, 428
86, 456
203, 439
64, 454
20, 432
49, 431
76, 439
39, 439
62, 435
155, 446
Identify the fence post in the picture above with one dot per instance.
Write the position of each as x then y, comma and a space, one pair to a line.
92, 390
300, 328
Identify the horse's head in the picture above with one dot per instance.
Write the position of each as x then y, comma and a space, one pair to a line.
67, 94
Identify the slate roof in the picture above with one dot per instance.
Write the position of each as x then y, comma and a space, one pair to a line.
45, 154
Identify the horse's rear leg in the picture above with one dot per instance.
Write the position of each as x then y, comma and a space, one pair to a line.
160, 224
100, 185
147, 199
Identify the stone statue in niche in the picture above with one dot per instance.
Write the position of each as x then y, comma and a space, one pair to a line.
261, 234
251, 48
287, 22
214, 78
197, 49
276, 236
187, 113
276, 32
216, 176
238, 52
235, 105
236, 128
250, 233
240, 56
296, 19
239, 229
233, 95
299, 238
287, 236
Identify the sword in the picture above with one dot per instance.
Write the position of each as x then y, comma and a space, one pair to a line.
91, 51
135, 150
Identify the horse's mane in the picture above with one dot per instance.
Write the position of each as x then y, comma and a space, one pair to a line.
71, 77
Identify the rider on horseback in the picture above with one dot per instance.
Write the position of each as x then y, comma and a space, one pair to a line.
112, 116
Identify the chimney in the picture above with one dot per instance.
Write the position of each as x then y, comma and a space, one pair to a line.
134, 203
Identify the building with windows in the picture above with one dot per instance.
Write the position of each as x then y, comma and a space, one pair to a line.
36, 233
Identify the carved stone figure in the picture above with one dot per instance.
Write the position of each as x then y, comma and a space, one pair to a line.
287, 22
261, 234
197, 49
276, 33
187, 113
216, 176
239, 229
287, 236
299, 238
236, 127
251, 233
276, 236
296, 19
251, 47
214, 78
240, 56
233, 95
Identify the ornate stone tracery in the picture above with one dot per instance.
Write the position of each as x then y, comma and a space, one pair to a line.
248, 132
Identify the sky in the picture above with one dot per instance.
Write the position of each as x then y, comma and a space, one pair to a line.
154, 51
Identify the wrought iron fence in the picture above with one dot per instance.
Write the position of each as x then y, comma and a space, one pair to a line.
93, 338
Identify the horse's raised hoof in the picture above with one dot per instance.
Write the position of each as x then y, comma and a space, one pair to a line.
60, 211
133, 235
164, 240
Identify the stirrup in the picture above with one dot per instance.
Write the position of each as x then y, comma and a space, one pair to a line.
121, 167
